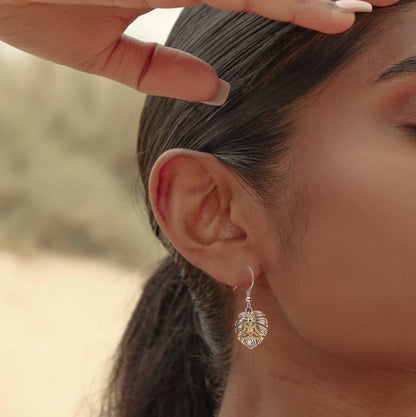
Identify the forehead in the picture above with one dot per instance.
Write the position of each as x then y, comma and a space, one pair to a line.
352, 99
391, 41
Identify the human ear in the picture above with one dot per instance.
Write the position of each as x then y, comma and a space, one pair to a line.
206, 212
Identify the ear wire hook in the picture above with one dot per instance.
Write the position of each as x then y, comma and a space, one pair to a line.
252, 282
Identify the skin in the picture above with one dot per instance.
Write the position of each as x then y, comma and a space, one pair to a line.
88, 35
341, 305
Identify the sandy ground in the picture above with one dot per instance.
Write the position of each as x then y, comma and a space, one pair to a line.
60, 320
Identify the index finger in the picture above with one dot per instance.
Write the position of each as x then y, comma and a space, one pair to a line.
320, 15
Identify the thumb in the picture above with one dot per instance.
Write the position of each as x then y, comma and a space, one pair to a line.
161, 71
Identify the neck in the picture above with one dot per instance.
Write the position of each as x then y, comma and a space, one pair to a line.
286, 376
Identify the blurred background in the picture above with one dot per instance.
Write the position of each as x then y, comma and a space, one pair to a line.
75, 244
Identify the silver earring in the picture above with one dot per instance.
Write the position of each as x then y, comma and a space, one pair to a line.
251, 326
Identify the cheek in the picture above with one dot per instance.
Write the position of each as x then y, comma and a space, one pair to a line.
355, 294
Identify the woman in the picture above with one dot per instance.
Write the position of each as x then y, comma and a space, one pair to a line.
306, 175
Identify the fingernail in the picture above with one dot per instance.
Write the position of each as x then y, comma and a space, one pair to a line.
222, 94
354, 5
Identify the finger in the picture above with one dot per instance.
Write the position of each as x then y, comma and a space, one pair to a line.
383, 2
320, 15
129, 4
159, 70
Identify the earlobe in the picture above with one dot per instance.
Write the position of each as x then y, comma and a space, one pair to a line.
200, 205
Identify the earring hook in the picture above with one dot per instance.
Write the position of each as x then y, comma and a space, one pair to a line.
252, 282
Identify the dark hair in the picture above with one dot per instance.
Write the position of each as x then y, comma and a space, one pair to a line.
174, 356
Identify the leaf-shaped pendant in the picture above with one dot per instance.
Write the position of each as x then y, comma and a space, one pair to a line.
251, 328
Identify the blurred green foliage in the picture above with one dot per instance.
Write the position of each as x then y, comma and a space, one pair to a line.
68, 175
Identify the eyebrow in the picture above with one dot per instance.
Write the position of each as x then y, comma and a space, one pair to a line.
405, 67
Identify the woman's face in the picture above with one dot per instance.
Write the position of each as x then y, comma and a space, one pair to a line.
352, 290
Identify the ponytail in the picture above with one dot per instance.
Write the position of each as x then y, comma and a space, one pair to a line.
162, 366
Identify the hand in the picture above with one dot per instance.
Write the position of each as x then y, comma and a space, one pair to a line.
88, 35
